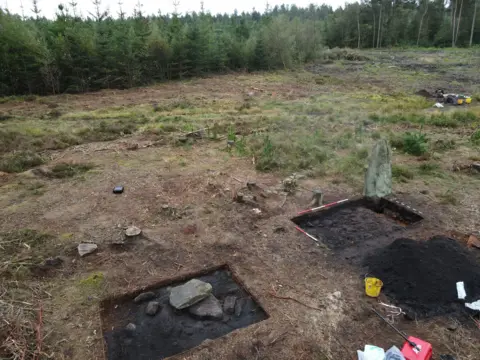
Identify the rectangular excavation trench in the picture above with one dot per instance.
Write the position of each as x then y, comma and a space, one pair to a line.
171, 331
356, 227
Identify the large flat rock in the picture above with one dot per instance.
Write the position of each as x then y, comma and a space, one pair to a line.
190, 293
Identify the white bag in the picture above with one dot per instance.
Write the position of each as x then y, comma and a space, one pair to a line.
371, 353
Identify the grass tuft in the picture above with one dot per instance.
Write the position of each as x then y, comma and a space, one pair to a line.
402, 173
66, 170
20, 161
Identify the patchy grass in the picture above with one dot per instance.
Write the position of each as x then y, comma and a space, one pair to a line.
402, 173
20, 161
20, 250
66, 170
448, 197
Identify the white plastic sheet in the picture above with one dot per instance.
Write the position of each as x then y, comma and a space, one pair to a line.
371, 353
474, 306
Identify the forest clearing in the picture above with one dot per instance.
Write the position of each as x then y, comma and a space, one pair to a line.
184, 151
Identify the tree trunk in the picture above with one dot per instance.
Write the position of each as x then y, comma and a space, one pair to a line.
358, 26
374, 27
421, 21
379, 25
473, 22
454, 15
458, 21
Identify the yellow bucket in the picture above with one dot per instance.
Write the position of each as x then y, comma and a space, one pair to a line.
468, 100
373, 286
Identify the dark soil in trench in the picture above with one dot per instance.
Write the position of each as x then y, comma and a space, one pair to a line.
353, 230
173, 331
421, 276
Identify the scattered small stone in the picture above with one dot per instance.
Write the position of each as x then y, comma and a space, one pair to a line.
257, 211
53, 262
131, 328
165, 207
229, 304
317, 198
337, 294
149, 295
452, 326
208, 308
85, 249
239, 307
476, 166
152, 308
189, 293
424, 192
133, 231
251, 185
473, 241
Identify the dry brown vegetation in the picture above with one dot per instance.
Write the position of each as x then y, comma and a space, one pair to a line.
319, 123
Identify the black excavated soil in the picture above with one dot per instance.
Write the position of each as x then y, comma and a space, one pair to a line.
421, 276
173, 331
355, 228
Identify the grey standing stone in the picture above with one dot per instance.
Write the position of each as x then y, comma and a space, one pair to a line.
229, 304
189, 293
152, 308
240, 303
144, 297
208, 308
378, 177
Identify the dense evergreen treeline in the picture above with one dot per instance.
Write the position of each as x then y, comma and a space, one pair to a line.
74, 54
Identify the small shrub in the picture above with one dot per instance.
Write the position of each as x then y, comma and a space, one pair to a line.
443, 120
65, 170
20, 161
30, 98
475, 137
402, 173
266, 160
415, 143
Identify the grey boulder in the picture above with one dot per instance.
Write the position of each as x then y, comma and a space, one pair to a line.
190, 293
208, 308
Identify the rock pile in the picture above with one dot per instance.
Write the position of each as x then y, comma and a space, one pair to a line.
196, 297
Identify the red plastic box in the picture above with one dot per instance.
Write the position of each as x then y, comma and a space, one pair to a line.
425, 352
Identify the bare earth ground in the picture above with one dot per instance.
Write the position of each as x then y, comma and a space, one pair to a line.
324, 110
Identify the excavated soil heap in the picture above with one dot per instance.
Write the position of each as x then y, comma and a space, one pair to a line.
421, 276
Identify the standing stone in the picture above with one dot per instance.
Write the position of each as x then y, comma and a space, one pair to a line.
189, 293
152, 308
208, 308
229, 304
378, 177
